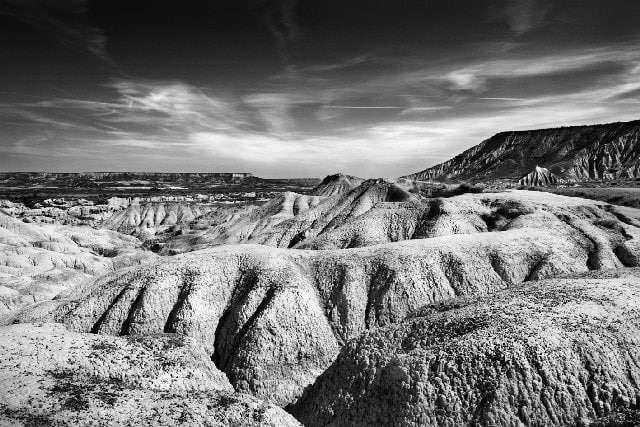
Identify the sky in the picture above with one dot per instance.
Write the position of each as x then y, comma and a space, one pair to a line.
301, 88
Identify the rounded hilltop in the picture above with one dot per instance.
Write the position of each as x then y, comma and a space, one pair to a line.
336, 184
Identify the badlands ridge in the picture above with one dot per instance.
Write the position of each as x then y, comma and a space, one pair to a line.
360, 304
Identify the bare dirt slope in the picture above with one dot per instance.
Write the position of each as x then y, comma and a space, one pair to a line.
148, 219
51, 376
557, 352
336, 184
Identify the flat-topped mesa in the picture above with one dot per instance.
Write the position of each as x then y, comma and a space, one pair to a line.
128, 175
573, 154
539, 177
90, 179
337, 184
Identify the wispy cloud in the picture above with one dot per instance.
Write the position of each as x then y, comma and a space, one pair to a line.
172, 104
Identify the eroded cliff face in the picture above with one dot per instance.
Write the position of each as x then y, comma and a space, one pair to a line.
336, 184
580, 153
151, 218
290, 219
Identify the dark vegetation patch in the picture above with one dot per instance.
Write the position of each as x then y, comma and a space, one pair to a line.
625, 418
167, 341
442, 329
75, 392
503, 213
444, 190
104, 347
27, 417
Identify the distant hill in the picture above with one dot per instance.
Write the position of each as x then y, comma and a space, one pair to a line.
572, 154
337, 184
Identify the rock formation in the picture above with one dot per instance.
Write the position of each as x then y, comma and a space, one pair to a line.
558, 352
578, 153
51, 376
539, 177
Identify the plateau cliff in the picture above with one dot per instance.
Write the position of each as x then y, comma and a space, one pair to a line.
577, 153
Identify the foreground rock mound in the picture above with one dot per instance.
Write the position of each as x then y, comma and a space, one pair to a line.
274, 319
51, 376
577, 153
557, 352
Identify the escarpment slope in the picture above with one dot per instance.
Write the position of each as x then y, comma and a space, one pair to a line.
557, 352
576, 153
274, 319
52, 376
